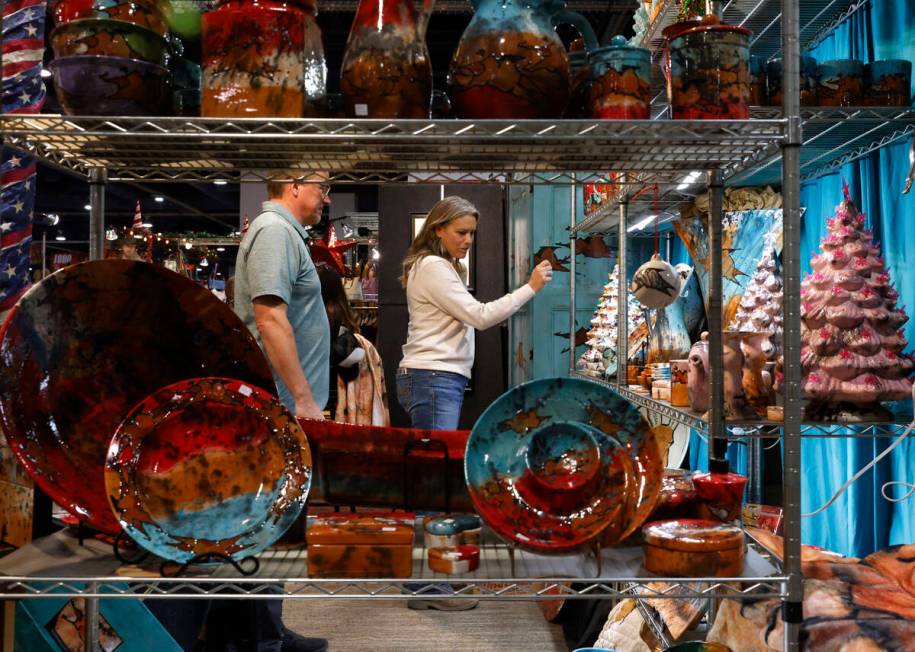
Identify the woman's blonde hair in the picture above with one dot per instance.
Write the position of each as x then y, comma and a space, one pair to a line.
427, 243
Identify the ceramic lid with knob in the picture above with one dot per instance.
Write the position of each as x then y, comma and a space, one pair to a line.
619, 48
690, 535
712, 23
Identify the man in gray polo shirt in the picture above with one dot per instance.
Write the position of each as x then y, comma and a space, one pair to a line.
278, 293
278, 296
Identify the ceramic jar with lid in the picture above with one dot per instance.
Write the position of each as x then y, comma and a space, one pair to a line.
622, 81
888, 82
840, 83
262, 58
693, 548
808, 68
710, 72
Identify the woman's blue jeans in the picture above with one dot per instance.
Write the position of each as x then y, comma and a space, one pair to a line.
433, 399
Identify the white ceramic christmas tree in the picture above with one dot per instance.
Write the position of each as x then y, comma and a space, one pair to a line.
600, 358
760, 309
852, 346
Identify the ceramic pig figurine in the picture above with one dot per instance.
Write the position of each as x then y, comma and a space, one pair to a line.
697, 378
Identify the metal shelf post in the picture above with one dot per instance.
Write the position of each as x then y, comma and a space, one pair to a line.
791, 196
573, 236
98, 178
622, 299
718, 443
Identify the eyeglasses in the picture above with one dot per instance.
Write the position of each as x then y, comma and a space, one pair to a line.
325, 190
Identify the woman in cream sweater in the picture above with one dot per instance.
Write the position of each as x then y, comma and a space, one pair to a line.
438, 354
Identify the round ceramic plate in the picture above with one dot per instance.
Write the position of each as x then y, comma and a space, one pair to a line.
208, 466
85, 345
554, 463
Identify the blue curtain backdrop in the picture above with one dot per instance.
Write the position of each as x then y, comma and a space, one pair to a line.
861, 520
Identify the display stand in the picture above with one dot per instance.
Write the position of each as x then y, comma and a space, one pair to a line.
174, 569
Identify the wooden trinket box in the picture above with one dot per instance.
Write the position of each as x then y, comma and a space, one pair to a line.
361, 546
693, 548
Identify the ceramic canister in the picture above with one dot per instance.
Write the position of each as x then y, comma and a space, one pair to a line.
888, 82
720, 495
450, 531
710, 72
808, 69
693, 548
262, 58
454, 560
622, 81
840, 82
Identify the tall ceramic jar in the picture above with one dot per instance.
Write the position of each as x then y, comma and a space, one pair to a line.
510, 64
262, 58
386, 69
622, 81
710, 72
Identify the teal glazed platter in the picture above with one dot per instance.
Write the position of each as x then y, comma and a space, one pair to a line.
208, 466
556, 464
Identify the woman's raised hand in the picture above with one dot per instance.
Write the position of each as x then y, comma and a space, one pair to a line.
541, 275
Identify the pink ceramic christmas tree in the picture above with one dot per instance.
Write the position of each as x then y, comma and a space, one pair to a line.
852, 346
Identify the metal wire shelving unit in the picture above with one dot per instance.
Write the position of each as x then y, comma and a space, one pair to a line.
201, 150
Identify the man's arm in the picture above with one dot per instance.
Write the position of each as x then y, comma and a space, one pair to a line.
279, 343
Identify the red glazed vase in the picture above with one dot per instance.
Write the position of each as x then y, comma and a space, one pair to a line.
262, 59
386, 68
145, 13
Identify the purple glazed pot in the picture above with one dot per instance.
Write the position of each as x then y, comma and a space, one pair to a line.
97, 85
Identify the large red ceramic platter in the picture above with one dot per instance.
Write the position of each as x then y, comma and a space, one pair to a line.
553, 464
87, 344
208, 466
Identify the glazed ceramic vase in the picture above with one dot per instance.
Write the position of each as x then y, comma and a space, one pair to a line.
510, 64
262, 58
386, 69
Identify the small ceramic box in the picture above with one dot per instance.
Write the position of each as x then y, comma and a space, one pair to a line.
693, 548
454, 560
363, 546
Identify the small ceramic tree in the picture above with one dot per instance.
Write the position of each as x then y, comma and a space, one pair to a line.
851, 352
600, 358
759, 319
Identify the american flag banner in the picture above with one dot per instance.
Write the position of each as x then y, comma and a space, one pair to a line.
22, 47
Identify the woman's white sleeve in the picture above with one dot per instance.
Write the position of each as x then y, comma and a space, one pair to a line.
441, 285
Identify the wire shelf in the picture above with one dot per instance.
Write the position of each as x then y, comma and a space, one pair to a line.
833, 137
375, 151
536, 577
743, 430
764, 17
